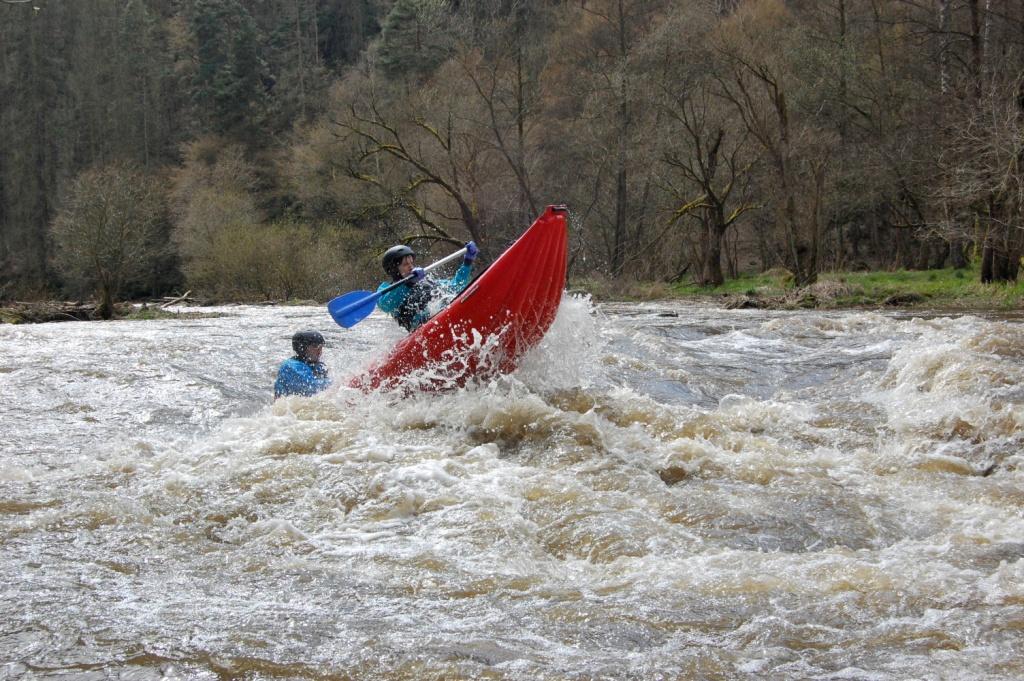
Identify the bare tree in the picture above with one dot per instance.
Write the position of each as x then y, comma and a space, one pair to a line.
983, 181
714, 164
419, 153
503, 66
759, 87
603, 70
108, 232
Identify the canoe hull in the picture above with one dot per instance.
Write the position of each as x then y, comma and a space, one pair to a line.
490, 325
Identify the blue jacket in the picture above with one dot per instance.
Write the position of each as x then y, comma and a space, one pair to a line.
413, 305
296, 377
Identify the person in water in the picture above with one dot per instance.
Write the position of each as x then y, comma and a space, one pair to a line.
304, 374
419, 299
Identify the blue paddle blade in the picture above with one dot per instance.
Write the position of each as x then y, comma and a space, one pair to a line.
352, 308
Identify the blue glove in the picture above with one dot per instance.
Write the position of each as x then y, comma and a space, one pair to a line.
471, 252
417, 275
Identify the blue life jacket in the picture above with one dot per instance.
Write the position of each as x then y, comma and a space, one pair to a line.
413, 305
298, 377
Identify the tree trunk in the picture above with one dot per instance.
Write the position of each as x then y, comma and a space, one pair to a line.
1006, 254
977, 48
619, 233
957, 257
945, 22
625, 126
732, 256
987, 264
711, 263
105, 309
938, 256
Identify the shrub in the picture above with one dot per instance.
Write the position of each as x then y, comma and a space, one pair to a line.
278, 261
110, 232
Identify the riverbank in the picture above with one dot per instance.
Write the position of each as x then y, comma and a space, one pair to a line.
946, 289
936, 289
38, 312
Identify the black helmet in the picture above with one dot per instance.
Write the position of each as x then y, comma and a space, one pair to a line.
393, 256
303, 339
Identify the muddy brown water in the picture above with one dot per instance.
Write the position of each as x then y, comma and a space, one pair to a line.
663, 491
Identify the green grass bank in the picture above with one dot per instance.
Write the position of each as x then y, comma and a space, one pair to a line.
936, 289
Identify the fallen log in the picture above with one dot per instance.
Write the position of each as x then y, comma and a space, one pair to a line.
175, 301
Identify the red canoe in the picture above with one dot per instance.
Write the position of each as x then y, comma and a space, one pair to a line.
503, 313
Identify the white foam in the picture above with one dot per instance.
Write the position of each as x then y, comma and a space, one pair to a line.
798, 519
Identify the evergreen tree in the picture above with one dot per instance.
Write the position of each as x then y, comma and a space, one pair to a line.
414, 39
33, 126
228, 87
344, 28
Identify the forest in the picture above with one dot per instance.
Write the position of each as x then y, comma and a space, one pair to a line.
272, 150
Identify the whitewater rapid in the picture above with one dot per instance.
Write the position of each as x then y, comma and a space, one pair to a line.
661, 491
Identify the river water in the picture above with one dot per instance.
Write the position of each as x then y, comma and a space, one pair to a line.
662, 491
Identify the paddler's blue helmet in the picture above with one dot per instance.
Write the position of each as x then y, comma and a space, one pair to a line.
303, 339
393, 256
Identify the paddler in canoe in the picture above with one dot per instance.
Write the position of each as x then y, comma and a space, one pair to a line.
422, 295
